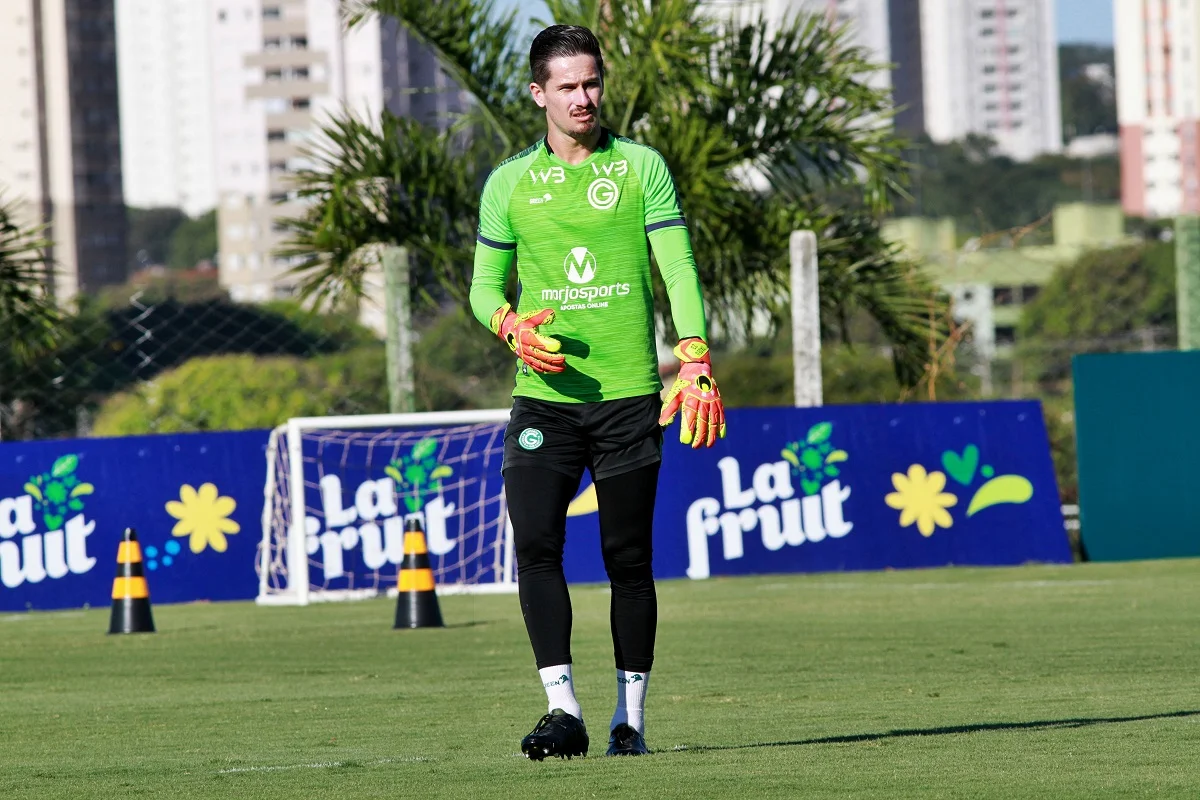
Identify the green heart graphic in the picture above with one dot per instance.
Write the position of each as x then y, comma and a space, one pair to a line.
961, 468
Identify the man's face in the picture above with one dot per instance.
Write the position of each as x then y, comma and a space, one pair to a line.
571, 95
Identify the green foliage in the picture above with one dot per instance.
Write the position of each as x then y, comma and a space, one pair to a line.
1108, 301
239, 392
29, 318
764, 134
985, 192
195, 240
849, 375
459, 364
1088, 106
101, 350
150, 234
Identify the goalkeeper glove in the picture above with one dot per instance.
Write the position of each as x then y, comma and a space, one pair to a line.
520, 333
696, 393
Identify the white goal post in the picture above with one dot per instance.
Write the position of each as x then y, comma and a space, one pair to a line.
340, 489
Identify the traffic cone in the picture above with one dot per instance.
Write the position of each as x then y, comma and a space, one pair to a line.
417, 605
130, 595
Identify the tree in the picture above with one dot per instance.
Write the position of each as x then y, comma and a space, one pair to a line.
1089, 101
985, 191
1107, 301
150, 234
28, 314
765, 133
195, 240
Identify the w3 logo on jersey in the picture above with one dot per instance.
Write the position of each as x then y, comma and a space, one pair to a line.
549, 175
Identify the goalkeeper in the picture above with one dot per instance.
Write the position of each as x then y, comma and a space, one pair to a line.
575, 212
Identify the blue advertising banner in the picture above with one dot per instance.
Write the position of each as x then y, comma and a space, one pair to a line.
850, 488
790, 490
195, 501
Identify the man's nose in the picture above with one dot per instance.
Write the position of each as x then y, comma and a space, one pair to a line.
580, 97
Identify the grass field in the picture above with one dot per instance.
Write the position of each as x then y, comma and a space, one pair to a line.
1066, 682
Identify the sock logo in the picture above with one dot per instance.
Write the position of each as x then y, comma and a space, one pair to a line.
561, 680
632, 679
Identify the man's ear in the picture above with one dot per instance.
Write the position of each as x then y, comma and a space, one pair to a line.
538, 95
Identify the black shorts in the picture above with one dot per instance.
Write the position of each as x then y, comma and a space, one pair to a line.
609, 437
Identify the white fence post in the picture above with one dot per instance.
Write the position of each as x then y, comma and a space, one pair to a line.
806, 319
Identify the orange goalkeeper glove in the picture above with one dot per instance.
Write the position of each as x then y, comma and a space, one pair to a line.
520, 333
696, 393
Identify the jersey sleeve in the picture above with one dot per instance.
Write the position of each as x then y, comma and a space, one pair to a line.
663, 209
488, 279
495, 229
673, 251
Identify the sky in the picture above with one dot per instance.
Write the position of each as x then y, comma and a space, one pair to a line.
1078, 20
1085, 21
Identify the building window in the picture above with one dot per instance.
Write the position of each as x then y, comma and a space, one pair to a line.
276, 136
300, 103
271, 12
1002, 295
1006, 335
987, 31
299, 42
1029, 292
221, 15
271, 44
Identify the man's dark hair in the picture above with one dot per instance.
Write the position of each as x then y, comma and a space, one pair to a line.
562, 41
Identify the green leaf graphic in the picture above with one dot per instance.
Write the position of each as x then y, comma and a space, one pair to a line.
811, 458
394, 474
836, 456
424, 449
75, 505
440, 471
64, 466
819, 432
832, 472
789, 456
82, 489
34, 492
1004, 489
810, 487
53, 521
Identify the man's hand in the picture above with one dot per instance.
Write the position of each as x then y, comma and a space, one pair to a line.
696, 393
521, 335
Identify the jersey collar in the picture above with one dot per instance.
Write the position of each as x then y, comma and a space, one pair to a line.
601, 145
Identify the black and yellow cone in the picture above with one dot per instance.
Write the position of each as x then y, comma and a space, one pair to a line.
130, 594
417, 606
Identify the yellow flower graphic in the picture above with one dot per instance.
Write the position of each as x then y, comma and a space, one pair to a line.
919, 498
204, 516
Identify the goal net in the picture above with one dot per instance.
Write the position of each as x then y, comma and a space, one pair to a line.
340, 489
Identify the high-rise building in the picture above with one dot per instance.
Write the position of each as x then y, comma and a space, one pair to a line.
908, 79
164, 60
1158, 106
60, 147
280, 68
991, 67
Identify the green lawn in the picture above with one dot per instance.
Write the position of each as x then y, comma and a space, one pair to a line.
1076, 681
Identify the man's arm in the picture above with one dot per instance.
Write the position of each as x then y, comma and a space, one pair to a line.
673, 251
495, 251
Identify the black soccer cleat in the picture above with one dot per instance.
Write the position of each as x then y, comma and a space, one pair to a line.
626, 741
556, 734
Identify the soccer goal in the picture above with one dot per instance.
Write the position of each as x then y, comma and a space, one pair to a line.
340, 489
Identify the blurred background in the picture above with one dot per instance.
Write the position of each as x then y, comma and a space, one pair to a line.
195, 194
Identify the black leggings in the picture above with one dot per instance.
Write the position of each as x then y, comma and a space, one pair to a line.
537, 504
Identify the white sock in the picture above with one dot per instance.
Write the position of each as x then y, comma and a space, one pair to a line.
560, 689
631, 700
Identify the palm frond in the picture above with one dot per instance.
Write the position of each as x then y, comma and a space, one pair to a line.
29, 318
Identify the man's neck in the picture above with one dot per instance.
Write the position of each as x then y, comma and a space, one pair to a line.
571, 150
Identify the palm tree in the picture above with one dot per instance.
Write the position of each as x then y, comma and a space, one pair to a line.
29, 318
767, 129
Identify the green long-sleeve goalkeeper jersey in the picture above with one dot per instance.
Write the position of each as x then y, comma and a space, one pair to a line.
579, 236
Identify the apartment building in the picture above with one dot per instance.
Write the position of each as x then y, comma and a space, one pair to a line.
60, 148
1158, 106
